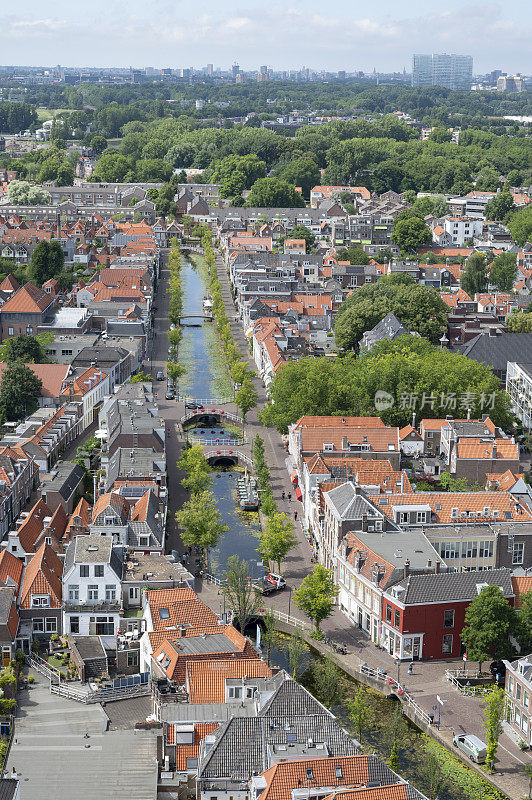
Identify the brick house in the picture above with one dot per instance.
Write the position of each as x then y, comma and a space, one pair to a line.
26, 310
423, 614
41, 593
518, 690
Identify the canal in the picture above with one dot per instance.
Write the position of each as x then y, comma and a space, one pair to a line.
429, 766
206, 377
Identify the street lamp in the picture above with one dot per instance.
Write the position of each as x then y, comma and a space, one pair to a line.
398, 663
289, 599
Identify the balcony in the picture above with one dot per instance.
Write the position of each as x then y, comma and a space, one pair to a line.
97, 606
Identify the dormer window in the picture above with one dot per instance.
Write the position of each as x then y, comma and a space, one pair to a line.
164, 613
40, 601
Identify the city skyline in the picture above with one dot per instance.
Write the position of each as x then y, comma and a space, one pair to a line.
163, 34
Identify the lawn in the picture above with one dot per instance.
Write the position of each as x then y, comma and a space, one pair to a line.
48, 113
133, 613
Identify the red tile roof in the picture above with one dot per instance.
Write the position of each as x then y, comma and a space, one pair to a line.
206, 679
52, 377
282, 778
43, 576
28, 299
186, 751
10, 569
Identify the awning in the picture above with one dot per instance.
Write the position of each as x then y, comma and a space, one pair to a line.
299, 493
294, 477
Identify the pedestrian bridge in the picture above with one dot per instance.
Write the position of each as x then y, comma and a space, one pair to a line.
225, 457
194, 320
208, 416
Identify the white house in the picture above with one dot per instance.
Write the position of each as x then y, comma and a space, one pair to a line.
90, 387
92, 588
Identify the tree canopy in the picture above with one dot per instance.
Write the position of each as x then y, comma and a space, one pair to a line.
274, 193
411, 234
392, 381
489, 622
419, 308
316, 595
20, 389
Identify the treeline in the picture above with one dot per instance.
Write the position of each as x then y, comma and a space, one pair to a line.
16, 117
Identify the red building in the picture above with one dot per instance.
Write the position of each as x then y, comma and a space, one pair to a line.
423, 614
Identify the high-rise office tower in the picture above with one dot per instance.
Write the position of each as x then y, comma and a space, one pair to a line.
440, 69
235, 69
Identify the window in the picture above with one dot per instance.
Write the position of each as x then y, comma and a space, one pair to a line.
397, 618
144, 541
518, 690
133, 592
110, 592
109, 521
421, 516
236, 692
164, 613
388, 613
84, 571
51, 625
98, 570
73, 592
518, 553
430, 434
40, 601
74, 624
328, 446
447, 644
92, 592
104, 626
10, 331
448, 618
133, 658
38, 626
485, 549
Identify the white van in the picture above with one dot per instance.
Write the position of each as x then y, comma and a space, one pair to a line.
472, 746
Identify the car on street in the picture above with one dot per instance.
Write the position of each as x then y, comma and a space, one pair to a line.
473, 747
170, 394
160, 375
193, 406
270, 583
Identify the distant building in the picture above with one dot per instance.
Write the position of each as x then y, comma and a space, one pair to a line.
440, 69
510, 83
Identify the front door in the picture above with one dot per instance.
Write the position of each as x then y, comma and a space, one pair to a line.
416, 650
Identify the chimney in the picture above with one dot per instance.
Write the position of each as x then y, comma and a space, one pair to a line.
429, 564
364, 522
437, 566
494, 451
406, 568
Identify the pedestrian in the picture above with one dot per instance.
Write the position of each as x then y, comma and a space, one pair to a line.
289, 497
295, 515
283, 496
410, 669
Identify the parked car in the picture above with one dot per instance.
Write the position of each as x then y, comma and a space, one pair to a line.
160, 375
170, 394
473, 747
270, 583
193, 406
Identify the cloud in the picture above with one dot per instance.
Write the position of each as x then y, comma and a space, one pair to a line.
283, 36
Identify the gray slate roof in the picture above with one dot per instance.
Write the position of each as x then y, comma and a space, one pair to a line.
387, 328
453, 586
290, 698
241, 746
496, 351
349, 503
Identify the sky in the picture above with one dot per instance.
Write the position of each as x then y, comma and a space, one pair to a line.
347, 34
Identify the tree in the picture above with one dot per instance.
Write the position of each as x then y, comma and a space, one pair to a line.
112, 167
520, 225
47, 260
316, 595
411, 234
28, 349
503, 271
393, 761
328, 683
240, 371
494, 708
239, 593
475, 275
175, 370
23, 194
65, 175
419, 308
489, 622
432, 775
236, 173
499, 206
20, 389
440, 135
303, 172
274, 193
270, 634
200, 522
296, 651
98, 144
519, 322
278, 538
524, 622
196, 468
355, 254
246, 398
359, 711
302, 232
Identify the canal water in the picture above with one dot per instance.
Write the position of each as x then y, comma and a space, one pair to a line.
200, 359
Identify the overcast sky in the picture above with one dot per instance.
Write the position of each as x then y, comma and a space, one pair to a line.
346, 34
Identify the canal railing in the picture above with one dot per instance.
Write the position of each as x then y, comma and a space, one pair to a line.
214, 442
289, 620
207, 401
198, 413
394, 687
457, 678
